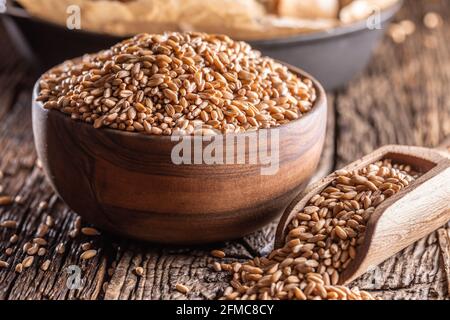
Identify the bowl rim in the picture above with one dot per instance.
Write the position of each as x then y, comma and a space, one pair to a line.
338, 31
321, 102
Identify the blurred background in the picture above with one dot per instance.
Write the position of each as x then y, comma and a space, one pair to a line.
331, 39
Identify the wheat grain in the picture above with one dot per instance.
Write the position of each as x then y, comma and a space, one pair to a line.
90, 231
40, 241
33, 249
41, 252
172, 83
218, 254
18, 268
139, 271
42, 230
14, 238
182, 288
6, 200
89, 254
19, 199
49, 221
45, 265
86, 246
9, 224
60, 248
27, 262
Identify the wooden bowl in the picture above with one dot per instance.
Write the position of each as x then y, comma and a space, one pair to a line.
127, 183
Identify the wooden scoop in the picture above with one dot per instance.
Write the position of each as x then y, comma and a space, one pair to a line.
399, 221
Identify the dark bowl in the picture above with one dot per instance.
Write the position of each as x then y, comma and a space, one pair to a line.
127, 183
334, 57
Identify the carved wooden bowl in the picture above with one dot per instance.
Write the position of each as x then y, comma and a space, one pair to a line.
127, 183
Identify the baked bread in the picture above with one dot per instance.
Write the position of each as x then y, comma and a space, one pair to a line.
239, 19
309, 9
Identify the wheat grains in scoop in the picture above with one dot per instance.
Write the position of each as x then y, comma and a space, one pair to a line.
177, 83
322, 240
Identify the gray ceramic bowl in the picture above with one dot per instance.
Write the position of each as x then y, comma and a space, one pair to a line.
333, 57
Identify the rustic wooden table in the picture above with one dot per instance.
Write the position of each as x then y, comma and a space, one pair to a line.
402, 98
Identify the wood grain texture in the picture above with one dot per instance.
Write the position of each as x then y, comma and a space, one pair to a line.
402, 98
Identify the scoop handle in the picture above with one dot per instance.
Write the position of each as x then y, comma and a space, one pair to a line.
404, 221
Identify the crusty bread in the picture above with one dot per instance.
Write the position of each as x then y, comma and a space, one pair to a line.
270, 5
309, 9
240, 19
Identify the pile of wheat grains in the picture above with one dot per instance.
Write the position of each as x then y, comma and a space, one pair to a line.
178, 83
322, 240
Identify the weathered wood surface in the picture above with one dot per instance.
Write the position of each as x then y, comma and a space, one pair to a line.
402, 98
